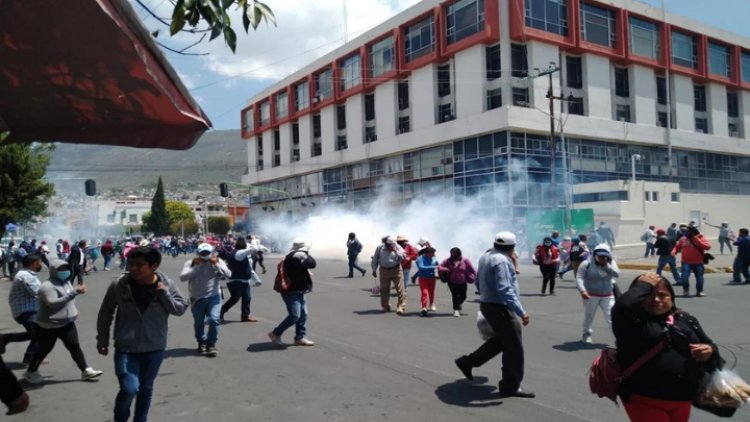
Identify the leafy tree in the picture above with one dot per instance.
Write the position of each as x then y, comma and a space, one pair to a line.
158, 220
218, 224
23, 190
190, 226
179, 211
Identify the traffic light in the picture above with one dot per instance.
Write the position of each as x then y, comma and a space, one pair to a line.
224, 190
90, 187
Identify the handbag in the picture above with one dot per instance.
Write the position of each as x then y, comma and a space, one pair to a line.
605, 375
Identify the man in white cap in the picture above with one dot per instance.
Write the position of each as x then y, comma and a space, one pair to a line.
500, 304
203, 274
388, 256
297, 266
595, 281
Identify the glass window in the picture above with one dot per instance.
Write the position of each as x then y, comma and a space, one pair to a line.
733, 104
645, 39
494, 98
404, 124
403, 95
369, 107
661, 90
381, 57
675, 196
301, 96
341, 142
341, 117
598, 25
282, 105
661, 119
492, 62
684, 50
521, 97
465, 18
351, 72
444, 80
324, 84
316, 125
574, 72
622, 85
519, 61
445, 113
249, 119
701, 125
719, 59
622, 113
547, 15
734, 131
575, 105
420, 38
745, 58
370, 135
699, 92
265, 112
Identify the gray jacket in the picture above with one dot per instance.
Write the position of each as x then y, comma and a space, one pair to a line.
57, 306
137, 332
204, 280
597, 281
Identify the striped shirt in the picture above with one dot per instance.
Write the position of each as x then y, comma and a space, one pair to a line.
24, 293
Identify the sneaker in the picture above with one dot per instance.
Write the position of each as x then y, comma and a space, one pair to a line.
221, 319
211, 352
387, 308
700, 294
400, 311
456, 314
518, 393
424, 312
587, 339
465, 368
202, 348
686, 293
276, 340
560, 275
249, 319
304, 342
90, 373
363, 273
34, 377
552, 293
433, 308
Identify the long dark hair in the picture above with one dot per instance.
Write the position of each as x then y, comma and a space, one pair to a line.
240, 244
666, 284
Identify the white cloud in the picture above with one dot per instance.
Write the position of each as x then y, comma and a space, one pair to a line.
306, 30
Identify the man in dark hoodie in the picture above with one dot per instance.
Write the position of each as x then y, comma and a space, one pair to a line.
140, 302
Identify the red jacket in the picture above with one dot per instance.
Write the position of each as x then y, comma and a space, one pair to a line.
411, 256
546, 256
692, 249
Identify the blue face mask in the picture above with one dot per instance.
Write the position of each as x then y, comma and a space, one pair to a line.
63, 275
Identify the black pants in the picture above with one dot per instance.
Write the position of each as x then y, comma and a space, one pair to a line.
549, 272
258, 260
10, 389
353, 265
458, 293
47, 339
76, 272
507, 340
238, 290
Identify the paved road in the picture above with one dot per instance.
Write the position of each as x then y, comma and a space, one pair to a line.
366, 366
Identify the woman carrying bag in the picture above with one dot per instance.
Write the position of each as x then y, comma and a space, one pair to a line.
457, 271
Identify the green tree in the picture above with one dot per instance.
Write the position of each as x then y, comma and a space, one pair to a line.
23, 190
218, 224
190, 226
179, 211
158, 220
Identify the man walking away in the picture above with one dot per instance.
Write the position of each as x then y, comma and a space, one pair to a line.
77, 262
664, 247
297, 266
500, 304
742, 260
141, 302
595, 281
353, 249
388, 256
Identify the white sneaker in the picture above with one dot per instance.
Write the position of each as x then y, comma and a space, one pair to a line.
276, 340
304, 342
587, 339
34, 377
456, 314
433, 308
90, 373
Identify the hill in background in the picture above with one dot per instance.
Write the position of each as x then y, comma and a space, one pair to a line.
217, 156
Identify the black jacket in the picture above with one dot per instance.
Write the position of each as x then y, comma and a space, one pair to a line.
297, 264
663, 245
672, 374
74, 260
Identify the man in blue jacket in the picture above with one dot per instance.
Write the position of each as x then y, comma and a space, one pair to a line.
500, 304
742, 260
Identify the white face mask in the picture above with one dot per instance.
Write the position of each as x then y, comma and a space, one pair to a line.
205, 257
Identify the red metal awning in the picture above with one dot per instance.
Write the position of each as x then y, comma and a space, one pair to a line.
89, 72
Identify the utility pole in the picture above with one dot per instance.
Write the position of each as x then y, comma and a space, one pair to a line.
553, 68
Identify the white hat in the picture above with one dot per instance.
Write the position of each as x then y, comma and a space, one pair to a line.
390, 240
505, 238
143, 242
205, 247
602, 249
300, 244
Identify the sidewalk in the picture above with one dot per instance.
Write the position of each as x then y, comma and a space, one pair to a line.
630, 257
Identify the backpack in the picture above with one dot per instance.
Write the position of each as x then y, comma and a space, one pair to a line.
282, 283
576, 252
644, 236
605, 375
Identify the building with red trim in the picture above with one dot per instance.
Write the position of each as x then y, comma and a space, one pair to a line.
445, 98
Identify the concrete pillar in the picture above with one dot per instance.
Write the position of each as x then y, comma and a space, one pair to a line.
267, 150
683, 102
423, 99
355, 119
597, 86
716, 105
643, 91
469, 81
285, 132
744, 101
386, 102
328, 129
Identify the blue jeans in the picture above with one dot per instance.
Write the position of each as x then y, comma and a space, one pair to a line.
206, 310
669, 259
353, 265
740, 267
136, 373
297, 310
698, 271
238, 290
406, 272
28, 320
107, 261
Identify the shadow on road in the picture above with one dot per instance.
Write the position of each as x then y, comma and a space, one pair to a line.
575, 346
465, 393
264, 347
180, 352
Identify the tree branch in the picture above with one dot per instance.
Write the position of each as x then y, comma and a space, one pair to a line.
166, 23
183, 50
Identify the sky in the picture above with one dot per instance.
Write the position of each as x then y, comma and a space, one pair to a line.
223, 82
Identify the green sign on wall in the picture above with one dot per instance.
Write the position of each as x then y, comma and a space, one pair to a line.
541, 223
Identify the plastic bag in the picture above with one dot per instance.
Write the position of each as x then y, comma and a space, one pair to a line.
724, 388
484, 327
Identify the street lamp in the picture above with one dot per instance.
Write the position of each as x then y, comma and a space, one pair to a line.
633, 159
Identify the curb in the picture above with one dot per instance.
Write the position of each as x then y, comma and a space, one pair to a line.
649, 267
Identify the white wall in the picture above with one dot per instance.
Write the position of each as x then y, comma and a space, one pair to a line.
386, 104
716, 105
305, 137
643, 92
424, 95
355, 116
597, 86
540, 56
744, 101
683, 102
469, 81
286, 144
328, 129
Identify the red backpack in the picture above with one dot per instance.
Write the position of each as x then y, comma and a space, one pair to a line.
605, 375
282, 283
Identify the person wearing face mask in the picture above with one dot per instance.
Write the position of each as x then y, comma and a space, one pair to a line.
692, 245
547, 258
664, 387
56, 320
595, 281
459, 272
24, 301
203, 274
